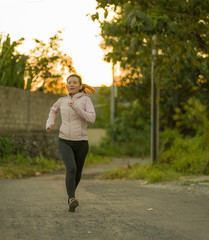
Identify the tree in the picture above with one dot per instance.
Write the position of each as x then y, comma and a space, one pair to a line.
43, 69
47, 65
182, 30
12, 63
101, 102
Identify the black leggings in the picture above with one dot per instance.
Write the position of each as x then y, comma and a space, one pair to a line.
73, 154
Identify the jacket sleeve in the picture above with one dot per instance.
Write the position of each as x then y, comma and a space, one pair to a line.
89, 113
54, 110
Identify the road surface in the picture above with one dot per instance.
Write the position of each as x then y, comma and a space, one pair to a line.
36, 208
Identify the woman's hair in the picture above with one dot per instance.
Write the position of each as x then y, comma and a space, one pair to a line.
85, 87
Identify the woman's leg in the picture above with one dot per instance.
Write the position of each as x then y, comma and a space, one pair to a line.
68, 158
81, 151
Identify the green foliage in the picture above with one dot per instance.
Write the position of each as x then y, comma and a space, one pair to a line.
6, 146
42, 69
130, 119
205, 136
96, 159
47, 65
138, 147
179, 156
187, 155
167, 139
182, 62
130, 133
191, 117
187, 152
135, 145
101, 101
16, 166
146, 172
12, 63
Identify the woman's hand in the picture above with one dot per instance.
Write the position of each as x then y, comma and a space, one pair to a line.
70, 103
49, 129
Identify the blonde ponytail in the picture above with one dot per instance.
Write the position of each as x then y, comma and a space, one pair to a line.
88, 88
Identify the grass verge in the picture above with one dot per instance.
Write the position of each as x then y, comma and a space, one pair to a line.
150, 173
19, 166
184, 157
146, 172
94, 159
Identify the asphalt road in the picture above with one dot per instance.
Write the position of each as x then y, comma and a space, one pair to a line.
36, 208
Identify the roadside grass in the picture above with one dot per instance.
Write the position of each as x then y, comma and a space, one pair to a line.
186, 157
147, 172
95, 159
14, 163
19, 166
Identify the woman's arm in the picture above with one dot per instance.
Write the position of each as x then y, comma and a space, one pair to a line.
88, 114
54, 110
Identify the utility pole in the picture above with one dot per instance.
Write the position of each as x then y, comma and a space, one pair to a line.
154, 106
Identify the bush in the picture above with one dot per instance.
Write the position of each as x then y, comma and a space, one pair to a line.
187, 155
167, 139
138, 146
126, 140
130, 133
191, 117
6, 146
205, 136
179, 156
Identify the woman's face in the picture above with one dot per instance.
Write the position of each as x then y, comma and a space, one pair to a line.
73, 85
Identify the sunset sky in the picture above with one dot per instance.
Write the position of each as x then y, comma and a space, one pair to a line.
41, 19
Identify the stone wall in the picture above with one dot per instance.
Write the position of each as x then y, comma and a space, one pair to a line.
23, 116
22, 110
